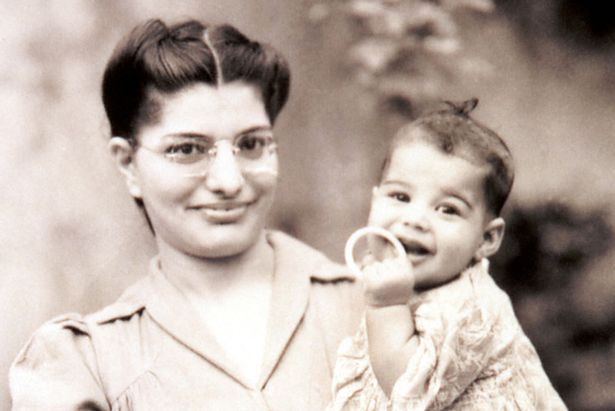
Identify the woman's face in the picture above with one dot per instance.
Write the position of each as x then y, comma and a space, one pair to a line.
214, 203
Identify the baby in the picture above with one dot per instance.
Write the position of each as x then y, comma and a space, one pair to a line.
438, 332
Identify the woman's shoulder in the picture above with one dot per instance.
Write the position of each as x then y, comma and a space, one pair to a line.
77, 332
319, 267
56, 366
333, 287
86, 347
56, 337
130, 303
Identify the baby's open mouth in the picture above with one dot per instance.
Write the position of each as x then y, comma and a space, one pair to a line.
415, 248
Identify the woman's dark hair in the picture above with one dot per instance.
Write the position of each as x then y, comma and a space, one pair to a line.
454, 132
154, 56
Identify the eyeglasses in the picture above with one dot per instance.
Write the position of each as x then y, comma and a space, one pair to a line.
194, 154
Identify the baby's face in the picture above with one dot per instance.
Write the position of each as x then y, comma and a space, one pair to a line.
434, 204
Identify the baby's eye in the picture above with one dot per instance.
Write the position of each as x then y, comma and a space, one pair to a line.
403, 197
448, 209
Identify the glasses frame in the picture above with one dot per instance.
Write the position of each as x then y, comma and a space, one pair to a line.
210, 154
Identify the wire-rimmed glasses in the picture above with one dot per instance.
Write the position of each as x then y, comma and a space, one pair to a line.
194, 153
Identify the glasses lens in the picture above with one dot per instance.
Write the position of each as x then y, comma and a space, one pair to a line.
252, 146
188, 151
194, 155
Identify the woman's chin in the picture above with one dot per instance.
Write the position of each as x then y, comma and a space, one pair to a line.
225, 242
222, 251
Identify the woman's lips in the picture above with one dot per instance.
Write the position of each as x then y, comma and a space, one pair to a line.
223, 213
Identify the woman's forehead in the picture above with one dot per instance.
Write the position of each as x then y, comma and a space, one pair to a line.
202, 108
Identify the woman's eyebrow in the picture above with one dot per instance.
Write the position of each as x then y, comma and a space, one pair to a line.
255, 128
196, 135
188, 135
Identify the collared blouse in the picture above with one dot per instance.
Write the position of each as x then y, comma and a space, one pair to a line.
150, 350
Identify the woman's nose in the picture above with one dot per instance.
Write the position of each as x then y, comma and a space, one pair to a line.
416, 217
224, 176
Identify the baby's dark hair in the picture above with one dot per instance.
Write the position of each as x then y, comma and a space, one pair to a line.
154, 56
455, 133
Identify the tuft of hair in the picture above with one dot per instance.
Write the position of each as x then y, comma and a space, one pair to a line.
154, 56
454, 132
253, 62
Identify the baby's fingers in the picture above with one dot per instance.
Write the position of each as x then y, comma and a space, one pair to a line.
388, 282
367, 260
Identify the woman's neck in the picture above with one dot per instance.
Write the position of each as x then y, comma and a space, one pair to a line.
232, 296
203, 277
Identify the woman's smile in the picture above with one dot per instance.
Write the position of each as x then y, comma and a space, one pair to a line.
223, 212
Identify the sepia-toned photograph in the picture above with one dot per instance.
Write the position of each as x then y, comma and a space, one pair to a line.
363, 205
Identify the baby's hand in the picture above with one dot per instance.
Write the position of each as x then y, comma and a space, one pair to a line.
388, 282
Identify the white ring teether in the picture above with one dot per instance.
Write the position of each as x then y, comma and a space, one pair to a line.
361, 232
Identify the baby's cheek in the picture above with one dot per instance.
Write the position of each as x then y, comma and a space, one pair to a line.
379, 216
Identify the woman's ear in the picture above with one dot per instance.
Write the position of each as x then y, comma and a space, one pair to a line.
492, 239
123, 153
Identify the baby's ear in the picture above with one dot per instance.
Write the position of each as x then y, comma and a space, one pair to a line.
492, 239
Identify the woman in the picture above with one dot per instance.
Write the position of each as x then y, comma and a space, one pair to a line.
231, 316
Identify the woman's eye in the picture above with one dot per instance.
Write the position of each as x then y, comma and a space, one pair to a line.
249, 143
251, 146
185, 150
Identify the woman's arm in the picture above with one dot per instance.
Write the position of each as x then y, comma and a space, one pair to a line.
56, 370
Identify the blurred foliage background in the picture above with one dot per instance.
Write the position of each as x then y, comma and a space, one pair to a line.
544, 71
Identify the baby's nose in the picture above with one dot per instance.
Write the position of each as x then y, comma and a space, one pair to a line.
416, 218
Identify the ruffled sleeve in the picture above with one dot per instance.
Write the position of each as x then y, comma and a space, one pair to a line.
455, 344
354, 384
56, 370
450, 356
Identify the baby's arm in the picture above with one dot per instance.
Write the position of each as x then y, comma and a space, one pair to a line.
389, 321
430, 362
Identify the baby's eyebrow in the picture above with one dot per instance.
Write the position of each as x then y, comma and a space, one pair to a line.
395, 183
456, 194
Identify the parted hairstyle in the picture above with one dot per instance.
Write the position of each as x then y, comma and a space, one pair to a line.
154, 56
453, 132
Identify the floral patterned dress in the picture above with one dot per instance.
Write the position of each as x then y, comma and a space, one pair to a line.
472, 355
